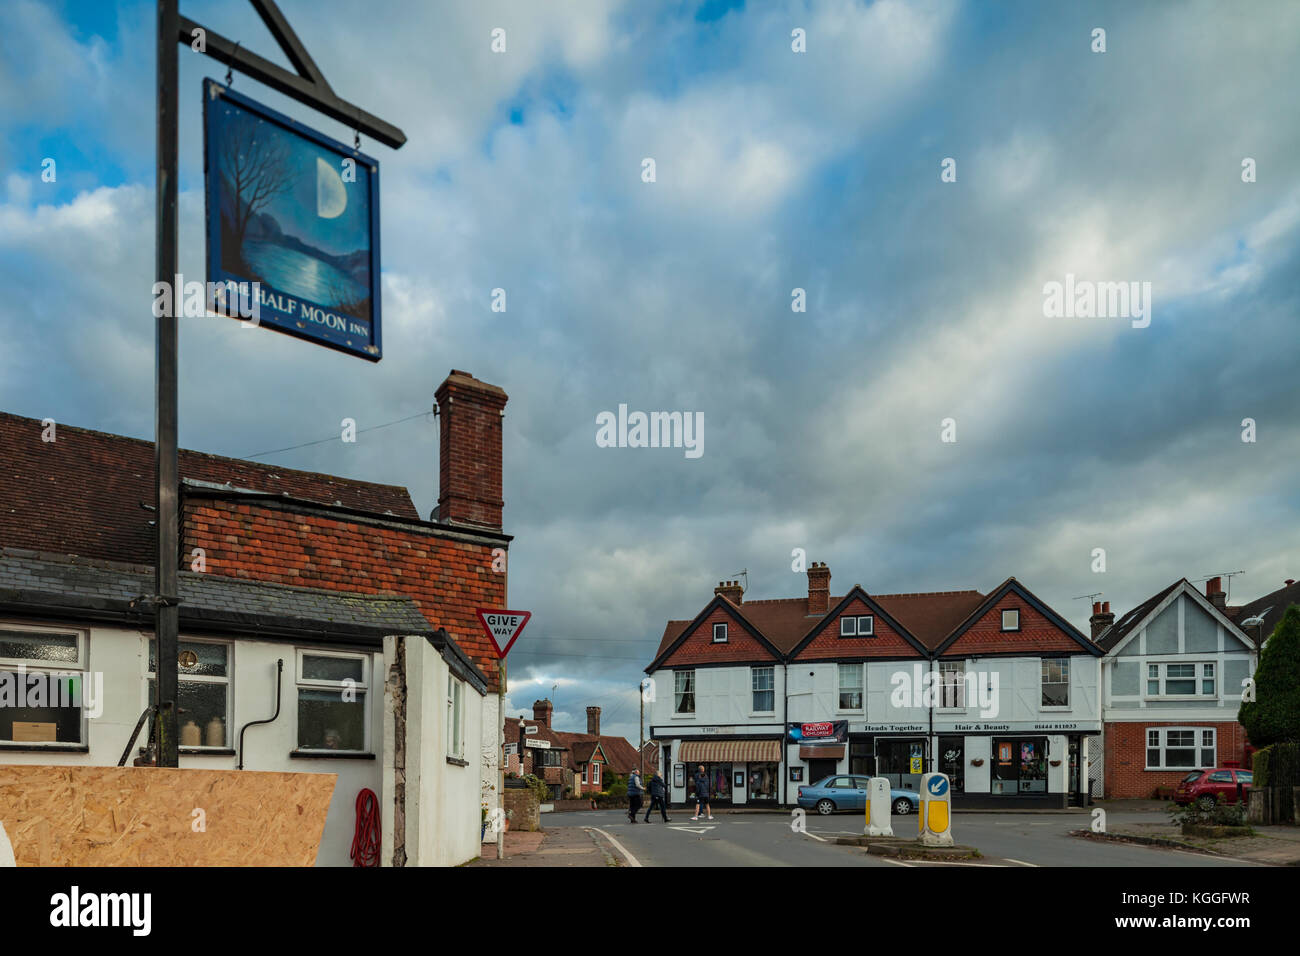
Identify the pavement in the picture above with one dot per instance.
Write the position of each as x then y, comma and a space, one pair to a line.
604, 837
551, 846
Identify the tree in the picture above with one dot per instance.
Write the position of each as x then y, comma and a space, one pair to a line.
1274, 715
255, 167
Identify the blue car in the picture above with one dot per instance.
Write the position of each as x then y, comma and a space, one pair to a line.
843, 791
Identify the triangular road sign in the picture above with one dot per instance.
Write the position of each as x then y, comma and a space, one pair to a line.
503, 627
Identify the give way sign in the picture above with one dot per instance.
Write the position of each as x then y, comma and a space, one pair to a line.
503, 627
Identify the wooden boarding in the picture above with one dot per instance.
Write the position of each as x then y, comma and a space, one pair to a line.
145, 816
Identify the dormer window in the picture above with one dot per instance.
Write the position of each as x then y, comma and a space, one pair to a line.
1011, 619
861, 626
719, 633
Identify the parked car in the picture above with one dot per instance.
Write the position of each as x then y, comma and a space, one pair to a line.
844, 791
1202, 786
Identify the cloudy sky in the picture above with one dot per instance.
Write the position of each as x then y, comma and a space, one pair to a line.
775, 171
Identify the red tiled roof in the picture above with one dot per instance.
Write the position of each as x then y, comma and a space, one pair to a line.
83, 493
928, 616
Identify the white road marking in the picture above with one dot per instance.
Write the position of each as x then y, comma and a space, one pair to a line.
890, 859
1021, 862
687, 829
631, 860
815, 836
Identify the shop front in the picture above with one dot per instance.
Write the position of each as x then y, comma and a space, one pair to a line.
900, 753
1017, 764
739, 772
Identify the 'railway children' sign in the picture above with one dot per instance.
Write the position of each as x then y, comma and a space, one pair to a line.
298, 214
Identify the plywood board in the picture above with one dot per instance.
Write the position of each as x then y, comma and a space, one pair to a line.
149, 816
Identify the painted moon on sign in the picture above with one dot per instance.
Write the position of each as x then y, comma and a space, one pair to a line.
331, 195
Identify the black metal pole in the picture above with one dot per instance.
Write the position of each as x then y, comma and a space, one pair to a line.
166, 613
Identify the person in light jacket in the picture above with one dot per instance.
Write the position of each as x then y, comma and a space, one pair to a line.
658, 797
634, 792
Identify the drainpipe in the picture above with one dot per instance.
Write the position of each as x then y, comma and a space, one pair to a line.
785, 719
279, 680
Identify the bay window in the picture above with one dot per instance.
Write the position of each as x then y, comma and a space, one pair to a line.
1180, 748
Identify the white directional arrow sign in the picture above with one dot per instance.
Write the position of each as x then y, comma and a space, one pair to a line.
503, 627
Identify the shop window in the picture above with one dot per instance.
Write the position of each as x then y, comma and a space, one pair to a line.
332, 695
763, 686
1176, 748
203, 686
850, 686
1011, 619
719, 633
684, 692
952, 684
1019, 766
1056, 682
43, 681
762, 781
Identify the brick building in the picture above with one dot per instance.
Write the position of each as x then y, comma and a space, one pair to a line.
310, 569
581, 762
1172, 683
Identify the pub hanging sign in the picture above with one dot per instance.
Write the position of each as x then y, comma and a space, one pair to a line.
292, 226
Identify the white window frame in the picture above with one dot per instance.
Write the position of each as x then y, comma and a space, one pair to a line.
1204, 671
584, 772
81, 668
755, 690
455, 717
1064, 663
957, 670
689, 673
363, 686
870, 625
1199, 747
860, 688
228, 680
1005, 612
595, 773
723, 632
849, 625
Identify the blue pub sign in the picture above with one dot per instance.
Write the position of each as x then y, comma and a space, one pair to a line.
293, 223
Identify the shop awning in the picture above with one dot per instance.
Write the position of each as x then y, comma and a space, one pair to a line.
729, 751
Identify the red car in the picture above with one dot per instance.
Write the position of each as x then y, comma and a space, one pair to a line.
1202, 786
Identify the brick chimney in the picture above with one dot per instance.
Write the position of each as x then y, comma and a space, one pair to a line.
593, 721
542, 712
1101, 618
469, 451
1214, 591
819, 588
731, 590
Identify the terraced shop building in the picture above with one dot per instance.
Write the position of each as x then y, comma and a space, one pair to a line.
334, 577
769, 694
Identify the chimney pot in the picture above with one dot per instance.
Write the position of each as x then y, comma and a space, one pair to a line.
542, 712
1101, 618
469, 451
819, 588
1290, 581
731, 590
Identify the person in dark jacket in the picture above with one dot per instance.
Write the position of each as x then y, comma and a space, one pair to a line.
658, 795
634, 792
702, 794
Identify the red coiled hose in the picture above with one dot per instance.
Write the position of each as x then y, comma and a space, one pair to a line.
366, 841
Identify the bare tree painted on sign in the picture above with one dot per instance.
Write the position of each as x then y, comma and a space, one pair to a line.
254, 169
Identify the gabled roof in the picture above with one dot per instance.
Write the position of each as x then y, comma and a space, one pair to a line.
996, 595
858, 594
667, 645
86, 492
1125, 627
1272, 605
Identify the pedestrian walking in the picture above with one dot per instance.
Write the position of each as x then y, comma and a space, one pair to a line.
658, 797
634, 792
702, 794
